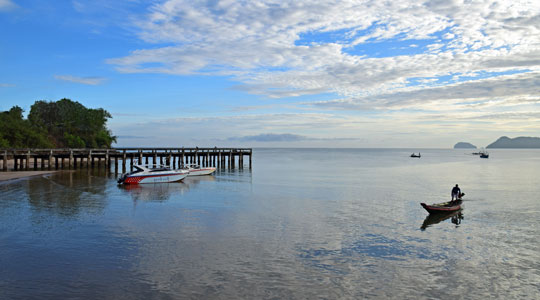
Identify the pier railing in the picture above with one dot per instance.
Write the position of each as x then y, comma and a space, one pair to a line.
68, 158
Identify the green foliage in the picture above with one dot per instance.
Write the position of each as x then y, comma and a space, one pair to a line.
64, 123
4, 143
73, 141
16, 132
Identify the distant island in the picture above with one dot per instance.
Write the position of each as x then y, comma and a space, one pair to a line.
519, 142
464, 145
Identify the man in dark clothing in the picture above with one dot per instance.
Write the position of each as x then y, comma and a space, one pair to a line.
456, 193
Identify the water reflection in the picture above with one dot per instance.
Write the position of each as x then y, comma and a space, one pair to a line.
69, 193
278, 234
160, 192
194, 180
432, 219
157, 192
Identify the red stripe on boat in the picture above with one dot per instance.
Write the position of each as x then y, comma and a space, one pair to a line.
137, 179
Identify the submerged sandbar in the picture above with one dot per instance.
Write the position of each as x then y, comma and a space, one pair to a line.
10, 175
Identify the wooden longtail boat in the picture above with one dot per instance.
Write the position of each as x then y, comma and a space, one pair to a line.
443, 207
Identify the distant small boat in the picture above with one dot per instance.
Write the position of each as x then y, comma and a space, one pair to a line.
148, 174
196, 170
416, 155
483, 153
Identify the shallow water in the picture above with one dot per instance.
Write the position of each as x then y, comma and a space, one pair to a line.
303, 223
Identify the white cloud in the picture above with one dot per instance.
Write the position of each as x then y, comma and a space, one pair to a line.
81, 80
448, 36
270, 137
314, 127
6, 5
295, 48
512, 88
394, 129
256, 43
284, 138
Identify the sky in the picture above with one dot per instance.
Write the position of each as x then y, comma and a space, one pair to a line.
366, 74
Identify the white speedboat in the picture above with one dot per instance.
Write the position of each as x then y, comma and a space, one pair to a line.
148, 174
196, 170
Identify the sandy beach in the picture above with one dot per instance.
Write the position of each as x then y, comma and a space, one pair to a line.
11, 175
4, 176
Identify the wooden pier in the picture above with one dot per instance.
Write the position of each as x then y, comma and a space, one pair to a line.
115, 158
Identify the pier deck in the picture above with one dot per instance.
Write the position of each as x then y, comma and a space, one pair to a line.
115, 158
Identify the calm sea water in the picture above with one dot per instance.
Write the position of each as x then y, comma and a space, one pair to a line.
303, 223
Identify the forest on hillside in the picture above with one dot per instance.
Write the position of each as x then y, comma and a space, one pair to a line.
55, 124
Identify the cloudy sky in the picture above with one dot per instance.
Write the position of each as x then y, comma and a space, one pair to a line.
282, 73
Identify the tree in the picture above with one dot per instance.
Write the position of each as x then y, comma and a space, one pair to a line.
16, 132
70, 124
64, 123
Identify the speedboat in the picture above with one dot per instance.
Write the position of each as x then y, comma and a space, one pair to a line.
196, 170
414, 155
148, 174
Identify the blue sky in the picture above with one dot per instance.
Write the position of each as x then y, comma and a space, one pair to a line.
281, 74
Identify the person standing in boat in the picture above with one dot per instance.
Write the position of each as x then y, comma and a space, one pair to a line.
456, 193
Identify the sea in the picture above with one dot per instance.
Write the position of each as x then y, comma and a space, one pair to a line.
298, 224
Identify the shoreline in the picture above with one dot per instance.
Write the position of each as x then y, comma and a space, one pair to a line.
12, 175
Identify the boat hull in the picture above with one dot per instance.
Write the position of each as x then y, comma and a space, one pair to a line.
158, 178
443, 207
200, 172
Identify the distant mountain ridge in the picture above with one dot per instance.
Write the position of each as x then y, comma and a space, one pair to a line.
519, 142
464, 145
